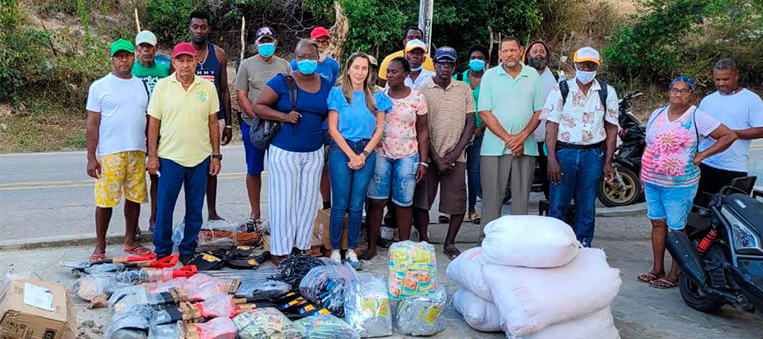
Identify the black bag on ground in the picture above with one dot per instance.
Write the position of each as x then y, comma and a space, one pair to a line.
262, 131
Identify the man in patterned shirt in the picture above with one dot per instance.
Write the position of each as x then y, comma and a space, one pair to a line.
581, 132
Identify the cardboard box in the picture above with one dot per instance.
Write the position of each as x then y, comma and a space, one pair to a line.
322, 230
35, 309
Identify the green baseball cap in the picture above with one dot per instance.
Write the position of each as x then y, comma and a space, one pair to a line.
121, 45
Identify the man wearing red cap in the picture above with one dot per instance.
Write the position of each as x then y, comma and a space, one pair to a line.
183, 147
328, 68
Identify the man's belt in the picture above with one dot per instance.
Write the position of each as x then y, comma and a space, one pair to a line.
560, 145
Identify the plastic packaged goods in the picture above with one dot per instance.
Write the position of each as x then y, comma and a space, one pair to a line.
132, 324
466, 271
531, 299
599, 325
422, 315
167, 331
218, 328
480, 314
367, 308
324, 326
529, 241
292, 269
218, 306
262, 290
265, 323
327, 286
412, 269
125, 298
90, 286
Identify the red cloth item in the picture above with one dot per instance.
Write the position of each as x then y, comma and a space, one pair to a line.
318, 32
183, 48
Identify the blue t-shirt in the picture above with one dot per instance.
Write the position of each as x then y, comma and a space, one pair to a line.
355, 121
328, 69
306, 135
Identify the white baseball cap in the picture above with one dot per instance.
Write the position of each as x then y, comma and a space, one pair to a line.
414, 44
145, 37
587, 54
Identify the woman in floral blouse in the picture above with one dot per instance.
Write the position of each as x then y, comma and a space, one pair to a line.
670, 172
400, 157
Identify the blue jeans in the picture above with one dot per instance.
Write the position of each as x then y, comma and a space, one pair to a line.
348, 192
473, 171
173, 177
581, 169
396, 178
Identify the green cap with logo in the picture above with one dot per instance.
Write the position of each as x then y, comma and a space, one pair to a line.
122, 45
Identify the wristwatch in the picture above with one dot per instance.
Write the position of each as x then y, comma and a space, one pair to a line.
217, 156
366, 153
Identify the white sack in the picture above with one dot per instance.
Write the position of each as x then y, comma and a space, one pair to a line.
529, 241
479, 313
466, 271
599, 325
530, 299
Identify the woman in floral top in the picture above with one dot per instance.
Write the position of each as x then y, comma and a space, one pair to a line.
670, 172
399, 156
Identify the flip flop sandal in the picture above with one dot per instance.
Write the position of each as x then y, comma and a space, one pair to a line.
140, 249
97, 257
240, 252
207, 262
452, 253
663, 284
647, 278
443, 219
475, 218
243, 263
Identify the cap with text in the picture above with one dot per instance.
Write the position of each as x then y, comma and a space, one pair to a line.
415, 44
121, 45
145, 37
183, 48
319, 32
587, 54
265, 32
445, 53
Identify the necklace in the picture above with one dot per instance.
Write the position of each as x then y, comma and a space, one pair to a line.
202, 62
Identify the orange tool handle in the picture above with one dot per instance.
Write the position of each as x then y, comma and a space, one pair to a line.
168, 261
142, 257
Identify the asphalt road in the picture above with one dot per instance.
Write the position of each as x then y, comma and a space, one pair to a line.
48, 196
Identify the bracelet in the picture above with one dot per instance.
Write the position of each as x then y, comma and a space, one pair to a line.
425, 164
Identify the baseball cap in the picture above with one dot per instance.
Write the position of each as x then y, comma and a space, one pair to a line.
121, 45
145, 37
265, 32
318, 32
414, 44
183, 48
587, 54
445, 53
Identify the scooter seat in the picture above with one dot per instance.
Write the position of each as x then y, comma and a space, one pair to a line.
747, 208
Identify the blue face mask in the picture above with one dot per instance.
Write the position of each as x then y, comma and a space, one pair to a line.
476, 65
307, 66
266, 50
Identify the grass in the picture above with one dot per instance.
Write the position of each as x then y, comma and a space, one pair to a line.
46, 128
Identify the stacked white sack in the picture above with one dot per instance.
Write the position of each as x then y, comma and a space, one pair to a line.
529, 241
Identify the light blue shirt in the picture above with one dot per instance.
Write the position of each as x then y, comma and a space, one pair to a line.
356, 121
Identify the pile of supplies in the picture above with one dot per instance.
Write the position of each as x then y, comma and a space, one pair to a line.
532, 279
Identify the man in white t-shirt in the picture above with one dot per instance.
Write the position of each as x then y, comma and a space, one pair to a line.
538, 56
116, 147
742, 111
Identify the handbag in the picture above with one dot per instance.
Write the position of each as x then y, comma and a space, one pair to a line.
261, 130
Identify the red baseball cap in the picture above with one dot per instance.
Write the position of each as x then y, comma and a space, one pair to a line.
183, 48
318, 32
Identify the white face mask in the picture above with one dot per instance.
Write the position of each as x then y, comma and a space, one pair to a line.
585, 77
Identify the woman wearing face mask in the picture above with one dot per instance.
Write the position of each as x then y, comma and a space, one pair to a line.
473, 76
670, 172
253, 73
356, 125
398, 166
295, 154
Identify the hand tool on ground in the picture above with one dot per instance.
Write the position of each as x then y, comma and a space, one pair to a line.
78, 264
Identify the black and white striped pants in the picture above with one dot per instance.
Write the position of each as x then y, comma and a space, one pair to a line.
293, 181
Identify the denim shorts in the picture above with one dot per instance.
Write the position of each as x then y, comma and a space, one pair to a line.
399, 175
670, 203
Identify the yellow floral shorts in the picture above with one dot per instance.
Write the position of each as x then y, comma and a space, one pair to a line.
121, 171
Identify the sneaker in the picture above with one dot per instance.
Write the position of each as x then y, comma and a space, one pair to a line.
352, 258
336, 256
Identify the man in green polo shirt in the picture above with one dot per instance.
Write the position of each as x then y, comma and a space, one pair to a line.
510, 101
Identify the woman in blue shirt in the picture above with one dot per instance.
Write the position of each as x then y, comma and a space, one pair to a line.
356, 125
295, 155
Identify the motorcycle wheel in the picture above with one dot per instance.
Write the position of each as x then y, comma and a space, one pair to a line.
691, 293
611, 195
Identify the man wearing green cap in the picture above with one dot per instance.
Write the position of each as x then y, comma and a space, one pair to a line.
116, 146
150, 71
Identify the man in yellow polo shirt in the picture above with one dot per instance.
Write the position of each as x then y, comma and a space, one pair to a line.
181, 139
413, 33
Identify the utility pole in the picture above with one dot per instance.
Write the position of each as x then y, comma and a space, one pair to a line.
426, 12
